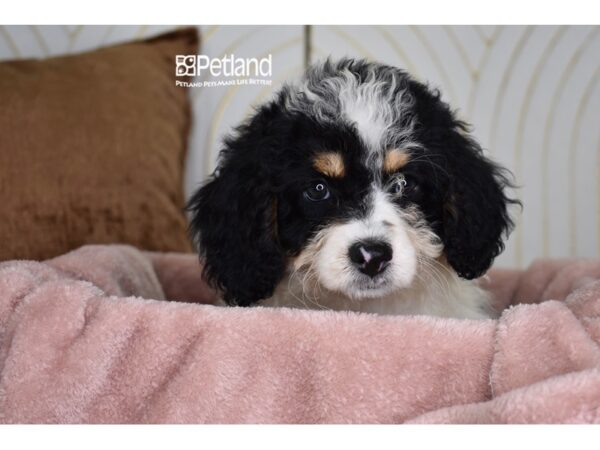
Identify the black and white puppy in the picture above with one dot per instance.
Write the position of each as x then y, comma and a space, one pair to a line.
355, 189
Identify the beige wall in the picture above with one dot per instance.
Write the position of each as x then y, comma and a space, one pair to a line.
532, 94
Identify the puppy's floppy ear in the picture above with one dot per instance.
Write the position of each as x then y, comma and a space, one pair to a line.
475, 213
234, 224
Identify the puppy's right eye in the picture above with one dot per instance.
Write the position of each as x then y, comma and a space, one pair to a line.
397, 185
317, 193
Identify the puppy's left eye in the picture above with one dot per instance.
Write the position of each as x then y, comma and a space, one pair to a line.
317, 193
397, 185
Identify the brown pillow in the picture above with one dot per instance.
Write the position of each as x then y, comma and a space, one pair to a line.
92, 149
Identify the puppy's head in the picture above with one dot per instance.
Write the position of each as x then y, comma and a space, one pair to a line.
360, 178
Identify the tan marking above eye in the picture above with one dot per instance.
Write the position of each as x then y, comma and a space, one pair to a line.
330, 164
395, 159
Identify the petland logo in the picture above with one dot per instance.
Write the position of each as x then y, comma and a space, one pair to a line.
226, 71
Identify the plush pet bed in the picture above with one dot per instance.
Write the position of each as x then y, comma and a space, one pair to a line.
87, 337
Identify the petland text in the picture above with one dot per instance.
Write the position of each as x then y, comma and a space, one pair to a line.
228, 66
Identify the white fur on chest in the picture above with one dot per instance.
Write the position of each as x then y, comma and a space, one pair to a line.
447, 296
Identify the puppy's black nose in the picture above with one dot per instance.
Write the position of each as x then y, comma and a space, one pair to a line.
370, 257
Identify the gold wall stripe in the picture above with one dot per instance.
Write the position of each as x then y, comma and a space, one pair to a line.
307, 43
482, 35
141, 32
507, 74
73, 36
11, 44
66, 30
40, 39
549, 125
231, 48
352, 41
505, 81
107, 33
523, 112
436, 62
481, 66
226, 99
462, 53
574, 144
410, 66
208, 32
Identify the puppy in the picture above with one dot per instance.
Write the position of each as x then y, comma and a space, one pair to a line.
355, 189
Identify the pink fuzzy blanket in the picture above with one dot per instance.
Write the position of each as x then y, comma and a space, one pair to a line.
87, 337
